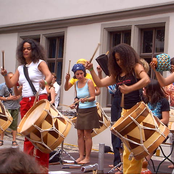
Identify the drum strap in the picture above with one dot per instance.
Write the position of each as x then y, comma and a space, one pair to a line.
29, 81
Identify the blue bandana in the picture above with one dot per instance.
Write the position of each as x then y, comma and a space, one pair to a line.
78, 67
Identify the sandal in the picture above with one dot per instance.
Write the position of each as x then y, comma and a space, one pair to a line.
14, 143
1, 142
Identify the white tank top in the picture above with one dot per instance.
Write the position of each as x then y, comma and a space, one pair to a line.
35, 76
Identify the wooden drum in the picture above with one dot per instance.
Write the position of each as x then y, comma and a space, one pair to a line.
5, 118
140, 131
104, 121
44, 126
171, 120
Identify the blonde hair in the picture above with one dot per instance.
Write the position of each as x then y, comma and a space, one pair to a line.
145, 64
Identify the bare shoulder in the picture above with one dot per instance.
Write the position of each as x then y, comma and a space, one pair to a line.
138, 68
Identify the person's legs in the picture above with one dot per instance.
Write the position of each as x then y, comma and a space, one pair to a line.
117, 158
88, 145
132, 166
14, 113
14, 133
81, 145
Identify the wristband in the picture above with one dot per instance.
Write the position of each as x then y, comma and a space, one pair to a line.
91, 69
45, 82
87, 100
5, 75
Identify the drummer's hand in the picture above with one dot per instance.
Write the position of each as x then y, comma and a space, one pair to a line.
3, 71
83, 100
152, 65
99, 70
12, 97
72, 106
124, 89
67, 77
88, 65
42, 84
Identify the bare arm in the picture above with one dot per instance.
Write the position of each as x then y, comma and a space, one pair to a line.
97, 91
108, 80
91, 92
162, 81
53, 94
144, 80
10, 82
67, 85
165, 117
17, 90
46, 72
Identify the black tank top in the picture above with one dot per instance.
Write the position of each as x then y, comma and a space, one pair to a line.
133, 97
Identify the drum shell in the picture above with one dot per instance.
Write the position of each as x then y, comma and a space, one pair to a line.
49, 130
140, 131
103, 120
5, 118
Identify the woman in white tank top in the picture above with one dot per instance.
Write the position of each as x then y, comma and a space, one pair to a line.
31, 54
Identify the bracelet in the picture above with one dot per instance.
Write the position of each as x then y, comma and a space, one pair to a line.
45, 82
87, 100
5, 75
91, 69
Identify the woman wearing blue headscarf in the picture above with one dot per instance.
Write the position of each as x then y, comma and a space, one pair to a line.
87, 117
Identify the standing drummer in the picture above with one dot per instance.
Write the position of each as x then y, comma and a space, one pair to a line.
11, 102
70, 82
31, 54
129, 76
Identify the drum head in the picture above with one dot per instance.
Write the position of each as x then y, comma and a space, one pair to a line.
35, 115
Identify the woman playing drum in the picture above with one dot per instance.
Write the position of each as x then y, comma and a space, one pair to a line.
31, 54
125, 68
87, 118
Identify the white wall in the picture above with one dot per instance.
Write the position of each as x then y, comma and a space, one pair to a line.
81, 43
23, 11
8, 44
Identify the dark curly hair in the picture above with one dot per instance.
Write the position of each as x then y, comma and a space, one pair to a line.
128, 57
38, 51
13, 160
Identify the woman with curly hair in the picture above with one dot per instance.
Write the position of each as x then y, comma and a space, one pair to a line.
129, 76
31, 55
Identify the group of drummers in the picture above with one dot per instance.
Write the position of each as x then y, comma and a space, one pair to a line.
126, 72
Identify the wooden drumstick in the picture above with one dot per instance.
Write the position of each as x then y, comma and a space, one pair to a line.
69, 66
107, 52
2, 59
122, 101
94, 52
64, 105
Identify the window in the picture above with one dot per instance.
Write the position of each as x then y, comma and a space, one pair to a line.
152, 44
55, 47
117, 38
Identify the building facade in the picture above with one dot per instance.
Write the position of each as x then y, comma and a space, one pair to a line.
70, 30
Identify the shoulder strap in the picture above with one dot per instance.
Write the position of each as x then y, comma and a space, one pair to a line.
29, 81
